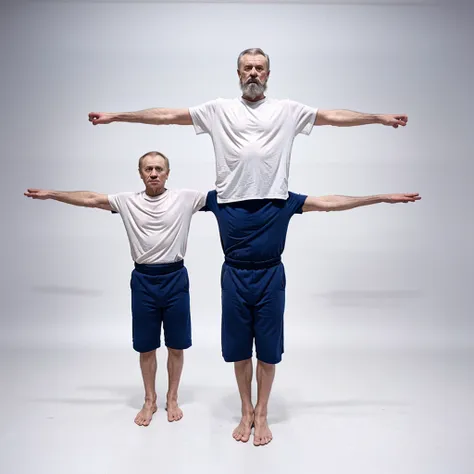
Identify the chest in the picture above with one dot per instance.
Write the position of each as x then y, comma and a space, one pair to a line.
263, 120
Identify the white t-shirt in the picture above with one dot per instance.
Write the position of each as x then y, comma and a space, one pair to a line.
252, 144
157, 227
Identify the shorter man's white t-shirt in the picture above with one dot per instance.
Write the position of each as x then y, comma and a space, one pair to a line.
252, 144
157, 227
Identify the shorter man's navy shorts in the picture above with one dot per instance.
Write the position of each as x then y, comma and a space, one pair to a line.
160, 295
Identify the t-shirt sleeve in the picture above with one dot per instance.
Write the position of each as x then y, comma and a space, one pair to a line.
118, 202
199, 201
303, 117
203, 116
211, 202
295, 202
114, 201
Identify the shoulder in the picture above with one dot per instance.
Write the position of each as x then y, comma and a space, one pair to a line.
125, 195
186, 193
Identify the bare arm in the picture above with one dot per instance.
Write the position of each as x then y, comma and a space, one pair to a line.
343, 203
156, 116
76, 198
349, 118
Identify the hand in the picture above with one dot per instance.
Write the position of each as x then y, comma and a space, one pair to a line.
37, 193
393, 120
100, 118
406, 197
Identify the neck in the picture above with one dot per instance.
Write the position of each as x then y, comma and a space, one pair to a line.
256, 99
154, 193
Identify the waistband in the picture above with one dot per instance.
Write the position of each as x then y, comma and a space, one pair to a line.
252, 265
158, 268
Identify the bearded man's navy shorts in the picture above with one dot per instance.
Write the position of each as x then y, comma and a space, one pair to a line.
253, 304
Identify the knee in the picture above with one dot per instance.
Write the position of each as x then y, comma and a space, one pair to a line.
176, 353
148, 357
243, 363
148, 354
266, 367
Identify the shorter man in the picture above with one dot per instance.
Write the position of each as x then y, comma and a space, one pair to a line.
253, 283
157, 222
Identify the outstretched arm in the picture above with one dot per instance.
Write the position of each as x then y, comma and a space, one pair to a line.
342, 203
76, 198
156, 116
348, 118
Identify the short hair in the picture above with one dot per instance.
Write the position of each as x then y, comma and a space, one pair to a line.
153, 154
253, 52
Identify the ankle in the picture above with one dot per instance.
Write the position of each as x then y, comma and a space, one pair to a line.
150, 400
260, 412
172, 397
248, 411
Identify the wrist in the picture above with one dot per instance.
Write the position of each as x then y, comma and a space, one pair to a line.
377, 118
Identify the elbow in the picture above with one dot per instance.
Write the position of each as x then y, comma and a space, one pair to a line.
90, 203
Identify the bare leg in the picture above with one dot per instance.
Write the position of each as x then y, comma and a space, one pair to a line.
243, 373
148, 365
265, 376
175, 368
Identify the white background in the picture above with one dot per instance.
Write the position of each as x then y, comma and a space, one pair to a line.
382, 291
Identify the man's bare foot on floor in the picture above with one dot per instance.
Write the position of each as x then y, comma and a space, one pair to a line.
174, 412
242, 432
262, 434
146, 414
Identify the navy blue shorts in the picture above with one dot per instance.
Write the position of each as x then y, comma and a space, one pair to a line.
253, 303
160, 294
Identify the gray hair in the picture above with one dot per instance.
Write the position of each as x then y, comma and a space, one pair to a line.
253, 52
153, 154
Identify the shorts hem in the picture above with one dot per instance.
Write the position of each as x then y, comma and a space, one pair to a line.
270, 361
236, 359
142, 351
178, 347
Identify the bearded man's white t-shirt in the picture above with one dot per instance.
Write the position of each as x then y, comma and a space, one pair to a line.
157, 227
252, 144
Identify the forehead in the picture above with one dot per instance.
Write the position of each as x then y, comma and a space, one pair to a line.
253, 60
153, 161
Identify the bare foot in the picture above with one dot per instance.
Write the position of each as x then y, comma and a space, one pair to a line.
174, 412
262, 434
146, 414
242, 432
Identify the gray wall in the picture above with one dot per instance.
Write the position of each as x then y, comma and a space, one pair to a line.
377, 275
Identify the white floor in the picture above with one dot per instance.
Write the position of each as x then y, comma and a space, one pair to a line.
356, 405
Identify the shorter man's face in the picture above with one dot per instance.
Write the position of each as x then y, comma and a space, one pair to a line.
154, 173
253, 74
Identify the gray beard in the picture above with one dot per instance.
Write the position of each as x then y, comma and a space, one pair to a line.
253, 90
